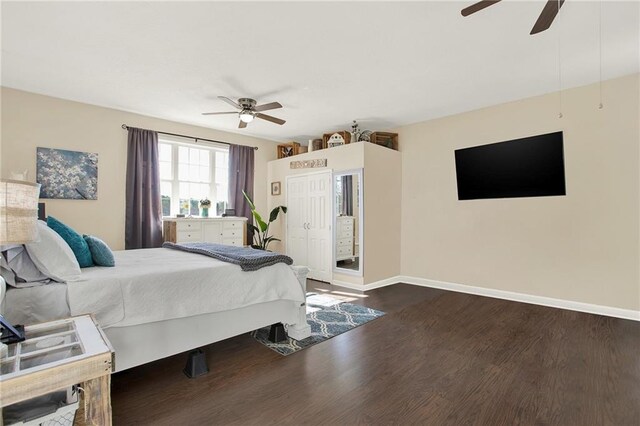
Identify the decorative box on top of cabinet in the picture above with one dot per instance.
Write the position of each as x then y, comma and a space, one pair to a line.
222, 230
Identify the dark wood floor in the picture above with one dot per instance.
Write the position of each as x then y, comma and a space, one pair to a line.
436, 358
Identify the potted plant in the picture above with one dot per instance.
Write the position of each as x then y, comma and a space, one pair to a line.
204, 207
261, 237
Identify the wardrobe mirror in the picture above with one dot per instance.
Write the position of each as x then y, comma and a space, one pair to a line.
347, 254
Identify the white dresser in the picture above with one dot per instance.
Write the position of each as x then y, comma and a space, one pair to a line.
222, 230
345, 228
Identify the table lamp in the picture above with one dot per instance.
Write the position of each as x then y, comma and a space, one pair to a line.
18, 225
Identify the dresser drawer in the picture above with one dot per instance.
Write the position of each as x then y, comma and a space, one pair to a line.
188, 236
233, 224
232, 242
344, 234
345, 227
188, 226
344, 242
344, 251
232, 233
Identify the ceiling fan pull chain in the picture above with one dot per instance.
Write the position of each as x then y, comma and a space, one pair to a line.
600, 104
559, 67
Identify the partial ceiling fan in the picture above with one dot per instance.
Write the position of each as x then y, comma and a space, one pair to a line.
248, 110
548, 14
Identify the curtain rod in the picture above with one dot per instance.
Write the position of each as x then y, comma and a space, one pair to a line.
125, 127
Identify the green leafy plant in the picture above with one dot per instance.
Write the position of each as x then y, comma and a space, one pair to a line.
261, 237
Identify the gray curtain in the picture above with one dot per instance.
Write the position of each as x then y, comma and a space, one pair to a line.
347, 195
241, 167
143, 219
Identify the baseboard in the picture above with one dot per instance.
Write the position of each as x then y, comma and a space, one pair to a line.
506, 295
371, 286
347, 284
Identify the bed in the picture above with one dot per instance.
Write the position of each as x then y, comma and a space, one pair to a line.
159, 302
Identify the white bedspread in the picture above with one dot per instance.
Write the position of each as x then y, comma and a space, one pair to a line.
159, 284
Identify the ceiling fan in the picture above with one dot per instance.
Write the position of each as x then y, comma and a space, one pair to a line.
548, 14
248, 110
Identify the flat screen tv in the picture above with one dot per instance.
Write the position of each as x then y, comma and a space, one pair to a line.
527, 167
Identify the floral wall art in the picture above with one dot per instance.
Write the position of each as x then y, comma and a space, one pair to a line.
69, 175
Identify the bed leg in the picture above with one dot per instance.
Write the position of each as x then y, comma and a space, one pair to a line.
301, 329
196, 364
277, 333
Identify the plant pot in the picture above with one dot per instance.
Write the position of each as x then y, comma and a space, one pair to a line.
204, 212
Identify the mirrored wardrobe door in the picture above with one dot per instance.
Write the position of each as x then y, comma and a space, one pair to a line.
347, 187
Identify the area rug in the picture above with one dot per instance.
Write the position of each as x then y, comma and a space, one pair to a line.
328, 317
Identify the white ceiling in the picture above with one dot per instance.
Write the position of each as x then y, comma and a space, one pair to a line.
383, 63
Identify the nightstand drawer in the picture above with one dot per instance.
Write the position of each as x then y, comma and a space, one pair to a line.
188, 236
188, 226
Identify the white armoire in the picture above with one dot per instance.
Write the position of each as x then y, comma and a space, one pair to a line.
309, 220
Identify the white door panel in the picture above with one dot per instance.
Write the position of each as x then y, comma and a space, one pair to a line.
309, 223
319, 226
296, 220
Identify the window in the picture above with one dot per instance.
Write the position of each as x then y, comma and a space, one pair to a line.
189, 174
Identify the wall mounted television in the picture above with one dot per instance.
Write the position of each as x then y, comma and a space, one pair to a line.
527, 167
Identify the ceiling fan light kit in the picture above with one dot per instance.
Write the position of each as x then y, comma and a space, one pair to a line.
248, 110
246, 116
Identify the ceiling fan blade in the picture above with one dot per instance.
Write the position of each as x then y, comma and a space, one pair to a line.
230, 101
242, 125
476, 7
547, 16
270, 118
219, 113
266, 107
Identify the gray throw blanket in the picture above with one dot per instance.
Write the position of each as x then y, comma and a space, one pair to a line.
249, 259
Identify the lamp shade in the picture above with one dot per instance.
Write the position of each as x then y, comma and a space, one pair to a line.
18, 211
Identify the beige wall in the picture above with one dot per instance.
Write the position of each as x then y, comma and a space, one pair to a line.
582, 247
382, 215
30, 121
382, 193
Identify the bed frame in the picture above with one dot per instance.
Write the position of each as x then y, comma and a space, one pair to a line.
139, 344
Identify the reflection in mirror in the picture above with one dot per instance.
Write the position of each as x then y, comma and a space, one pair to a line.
348, 219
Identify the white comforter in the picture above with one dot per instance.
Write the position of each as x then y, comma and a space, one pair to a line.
159, 284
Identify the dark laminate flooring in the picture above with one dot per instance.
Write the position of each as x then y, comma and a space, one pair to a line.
436, 358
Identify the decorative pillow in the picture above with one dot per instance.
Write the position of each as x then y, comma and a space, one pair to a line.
100, 251
78, 245
53, 256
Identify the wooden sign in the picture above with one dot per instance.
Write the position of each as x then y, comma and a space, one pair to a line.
309, 164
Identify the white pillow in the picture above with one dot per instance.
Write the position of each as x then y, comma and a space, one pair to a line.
18, 269
53, 256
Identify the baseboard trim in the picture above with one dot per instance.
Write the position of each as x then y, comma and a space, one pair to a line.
608, 311
347, 284
371, 286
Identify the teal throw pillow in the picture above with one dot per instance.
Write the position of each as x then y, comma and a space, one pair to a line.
100, 251
78, 245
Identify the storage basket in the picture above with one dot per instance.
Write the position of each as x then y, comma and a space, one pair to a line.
53, 409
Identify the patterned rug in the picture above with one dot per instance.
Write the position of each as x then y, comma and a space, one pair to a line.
328, 317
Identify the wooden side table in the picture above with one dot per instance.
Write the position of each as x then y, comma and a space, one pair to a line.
57, 355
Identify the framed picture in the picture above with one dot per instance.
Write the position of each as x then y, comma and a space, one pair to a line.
275, 188
68, 175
